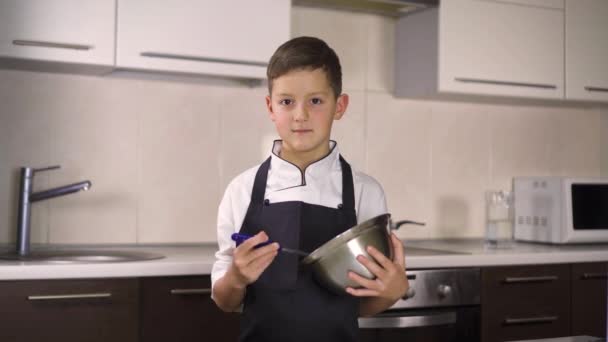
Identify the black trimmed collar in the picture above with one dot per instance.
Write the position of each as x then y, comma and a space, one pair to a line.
286, 174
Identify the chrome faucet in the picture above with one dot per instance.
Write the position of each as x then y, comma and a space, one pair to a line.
26, 197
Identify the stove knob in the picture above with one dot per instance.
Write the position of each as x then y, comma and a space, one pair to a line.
410, 293
444, 290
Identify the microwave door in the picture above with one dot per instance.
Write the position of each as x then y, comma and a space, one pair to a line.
589, 207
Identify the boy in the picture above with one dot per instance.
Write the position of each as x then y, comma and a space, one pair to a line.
302, 196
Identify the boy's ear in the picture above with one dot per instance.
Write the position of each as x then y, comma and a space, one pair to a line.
341, 105
269, 107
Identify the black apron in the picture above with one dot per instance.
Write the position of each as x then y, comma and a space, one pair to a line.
286, 304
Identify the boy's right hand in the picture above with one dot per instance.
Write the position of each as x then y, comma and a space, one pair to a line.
249, 262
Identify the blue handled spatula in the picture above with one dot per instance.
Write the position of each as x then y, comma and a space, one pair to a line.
240, 238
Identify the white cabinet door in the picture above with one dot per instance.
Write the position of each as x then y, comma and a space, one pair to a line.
503, 49
587, 50
70, 31
225, 38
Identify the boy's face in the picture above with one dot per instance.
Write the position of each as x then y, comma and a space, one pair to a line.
303, 106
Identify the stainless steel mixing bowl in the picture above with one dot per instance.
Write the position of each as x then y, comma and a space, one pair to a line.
332, 261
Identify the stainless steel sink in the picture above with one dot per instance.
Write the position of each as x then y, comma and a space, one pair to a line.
81, 256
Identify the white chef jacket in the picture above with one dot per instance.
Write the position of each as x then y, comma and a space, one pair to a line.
319, 184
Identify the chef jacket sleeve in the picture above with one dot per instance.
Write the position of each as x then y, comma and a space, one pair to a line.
225, 227
369, 197
231, 214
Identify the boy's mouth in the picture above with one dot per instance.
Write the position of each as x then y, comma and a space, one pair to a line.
301, 130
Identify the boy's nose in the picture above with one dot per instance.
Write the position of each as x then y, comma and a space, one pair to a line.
300, 115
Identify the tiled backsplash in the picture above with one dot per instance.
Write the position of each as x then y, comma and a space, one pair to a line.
604, 142
160, 153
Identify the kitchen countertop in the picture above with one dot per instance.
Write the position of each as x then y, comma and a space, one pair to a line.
198, 259
473, 253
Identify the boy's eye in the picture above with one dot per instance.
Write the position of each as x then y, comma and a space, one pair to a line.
316, 101
285, 102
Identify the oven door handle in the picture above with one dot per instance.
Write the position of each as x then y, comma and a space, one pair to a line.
407, 321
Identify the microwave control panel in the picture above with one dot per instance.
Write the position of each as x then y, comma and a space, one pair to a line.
537, 208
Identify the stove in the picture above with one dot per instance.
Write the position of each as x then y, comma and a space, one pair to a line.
440, 305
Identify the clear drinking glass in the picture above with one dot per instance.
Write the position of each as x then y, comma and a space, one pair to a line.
499, 219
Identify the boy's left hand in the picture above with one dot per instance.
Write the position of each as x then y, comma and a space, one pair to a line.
391, 281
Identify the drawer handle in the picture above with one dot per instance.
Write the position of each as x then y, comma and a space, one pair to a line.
594, 276
530, 320
51, 44
506, 83
596, 89
190, 291
202, 59
71, 296
515, 280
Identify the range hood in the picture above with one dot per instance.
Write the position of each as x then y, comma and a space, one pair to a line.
393, 8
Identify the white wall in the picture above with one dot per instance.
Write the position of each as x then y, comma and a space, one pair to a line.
160, 153
604, 142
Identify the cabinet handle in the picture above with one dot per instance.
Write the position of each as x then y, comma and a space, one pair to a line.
506, 83
190, 291
594, 276
71, 296
51, 44
515, 280
530, 320
596, 89
202, 59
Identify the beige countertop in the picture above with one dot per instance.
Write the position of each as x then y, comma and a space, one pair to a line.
473, 253
178, 260
198, 259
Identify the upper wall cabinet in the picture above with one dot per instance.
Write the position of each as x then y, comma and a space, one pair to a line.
587, 50
537, 3
476, 47
222, 38
66, 31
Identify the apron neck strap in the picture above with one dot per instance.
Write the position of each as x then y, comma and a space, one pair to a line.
348, 187
259, 184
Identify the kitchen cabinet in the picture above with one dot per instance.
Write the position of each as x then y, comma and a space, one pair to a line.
181, 309
589, 299
525, 302
537, 3
543, 301
487, 48
221, 38
586, 50
69, 310
59, 33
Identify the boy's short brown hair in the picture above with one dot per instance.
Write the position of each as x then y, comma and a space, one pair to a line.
306, 53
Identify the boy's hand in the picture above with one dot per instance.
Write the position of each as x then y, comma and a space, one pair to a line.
391, 281
248, 262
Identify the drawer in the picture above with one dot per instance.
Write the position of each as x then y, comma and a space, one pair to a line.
69, 310
181, 309
589, 297
525, 302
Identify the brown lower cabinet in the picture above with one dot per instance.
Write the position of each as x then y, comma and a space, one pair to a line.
589, 299
181, 309
543, 301
525, 302
69, 310
517, 302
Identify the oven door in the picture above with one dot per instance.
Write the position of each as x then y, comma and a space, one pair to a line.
428, 325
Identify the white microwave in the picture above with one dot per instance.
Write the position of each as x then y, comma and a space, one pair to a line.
560, 209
